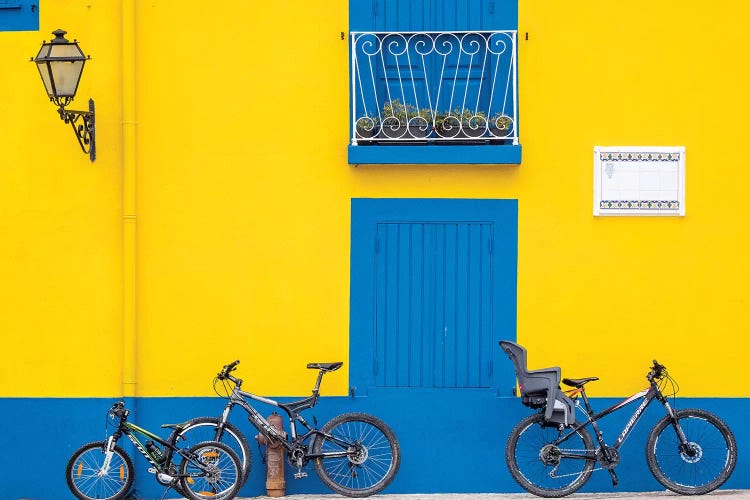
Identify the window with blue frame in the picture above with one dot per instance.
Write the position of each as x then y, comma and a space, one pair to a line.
434, 81
19, 15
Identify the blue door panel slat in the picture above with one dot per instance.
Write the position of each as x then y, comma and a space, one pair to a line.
401, 346
416, 322
462, 300
438, 332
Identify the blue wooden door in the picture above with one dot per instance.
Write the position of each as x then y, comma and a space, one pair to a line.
433, 288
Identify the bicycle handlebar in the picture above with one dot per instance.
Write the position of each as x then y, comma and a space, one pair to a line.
657, 371
118, 410
224, 373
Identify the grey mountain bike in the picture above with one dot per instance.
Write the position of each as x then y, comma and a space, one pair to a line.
552, 454
354, 454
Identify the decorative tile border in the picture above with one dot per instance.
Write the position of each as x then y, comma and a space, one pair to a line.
640, 205
622, 156
639, 180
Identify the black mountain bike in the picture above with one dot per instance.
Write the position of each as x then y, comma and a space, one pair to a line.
104, 471
551, 454
354, 454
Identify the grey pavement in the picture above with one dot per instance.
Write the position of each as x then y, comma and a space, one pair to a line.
716, 495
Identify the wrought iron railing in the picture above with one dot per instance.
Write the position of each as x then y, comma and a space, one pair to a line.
428, 86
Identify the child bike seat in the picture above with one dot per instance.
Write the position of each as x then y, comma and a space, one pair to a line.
534, 384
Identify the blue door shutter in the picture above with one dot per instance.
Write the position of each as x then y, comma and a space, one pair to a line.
433, 305
19, 15
433, 15
433, 288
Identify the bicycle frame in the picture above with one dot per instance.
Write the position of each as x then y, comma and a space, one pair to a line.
648, 395
293, 409
131, 431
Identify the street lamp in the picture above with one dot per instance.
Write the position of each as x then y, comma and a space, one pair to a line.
60, 64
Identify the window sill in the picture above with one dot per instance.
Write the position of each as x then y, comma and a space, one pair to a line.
435, 154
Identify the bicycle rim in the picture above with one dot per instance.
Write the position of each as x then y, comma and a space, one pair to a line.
535, 463
203, 429
222, 478
88, 480
372, 459
707, 462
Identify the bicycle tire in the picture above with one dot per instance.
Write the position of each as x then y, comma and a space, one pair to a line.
523, 456
662, 452
373, 450
224, 480
89, 458
200, 428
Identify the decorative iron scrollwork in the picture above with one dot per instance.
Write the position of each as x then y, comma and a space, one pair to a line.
83, 127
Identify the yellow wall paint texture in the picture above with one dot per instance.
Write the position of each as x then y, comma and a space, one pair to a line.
243, 196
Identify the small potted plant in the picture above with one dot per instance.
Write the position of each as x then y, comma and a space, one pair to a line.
501, 126
461, 124
405, 121
367, 127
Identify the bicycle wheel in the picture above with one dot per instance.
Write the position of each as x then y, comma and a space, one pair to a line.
222, 477
200, 429
707, 461
537, 465
89, 480
369, 455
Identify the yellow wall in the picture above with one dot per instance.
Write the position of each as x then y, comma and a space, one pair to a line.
243, 195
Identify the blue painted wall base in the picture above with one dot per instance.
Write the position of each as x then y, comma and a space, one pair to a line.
451, 441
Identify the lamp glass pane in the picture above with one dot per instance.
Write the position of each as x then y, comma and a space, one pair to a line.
44, 73
66, 50
66, 76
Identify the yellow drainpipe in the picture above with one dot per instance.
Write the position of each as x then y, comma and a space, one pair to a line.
129, 332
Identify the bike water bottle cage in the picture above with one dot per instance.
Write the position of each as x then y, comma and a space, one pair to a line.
578, 382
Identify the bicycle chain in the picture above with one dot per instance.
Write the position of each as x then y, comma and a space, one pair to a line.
552, 472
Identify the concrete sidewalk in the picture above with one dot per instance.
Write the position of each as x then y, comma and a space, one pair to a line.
716, 495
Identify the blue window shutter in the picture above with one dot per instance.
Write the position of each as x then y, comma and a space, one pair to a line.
402, 76
19, 15
433, 305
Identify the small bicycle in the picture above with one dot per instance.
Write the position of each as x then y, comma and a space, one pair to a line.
551, 454
354, 454
102, 470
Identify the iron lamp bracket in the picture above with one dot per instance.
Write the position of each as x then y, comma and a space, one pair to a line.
83, 126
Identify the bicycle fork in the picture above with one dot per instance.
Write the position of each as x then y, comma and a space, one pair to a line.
108, 452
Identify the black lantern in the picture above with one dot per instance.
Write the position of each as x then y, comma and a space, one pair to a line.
60, 64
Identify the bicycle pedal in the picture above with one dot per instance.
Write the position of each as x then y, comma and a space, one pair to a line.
300, 475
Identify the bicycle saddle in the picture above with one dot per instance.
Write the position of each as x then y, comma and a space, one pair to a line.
326, 367
578, 382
